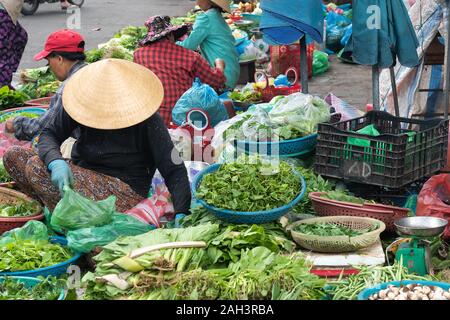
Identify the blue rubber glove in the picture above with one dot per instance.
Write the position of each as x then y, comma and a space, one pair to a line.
61, 174
178, 219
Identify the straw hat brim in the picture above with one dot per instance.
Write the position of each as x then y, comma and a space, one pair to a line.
224, 4
112, 94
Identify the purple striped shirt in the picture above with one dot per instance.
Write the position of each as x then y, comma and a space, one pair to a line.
13, 39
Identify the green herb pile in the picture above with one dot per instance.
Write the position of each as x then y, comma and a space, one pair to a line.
38, 83
4, 176
330, 230
47, 289
246, 96
349, 288
11, 98
239, 262
314, 183
30, 115
121, 46
344, 196
23, 209
247, 186
24, 255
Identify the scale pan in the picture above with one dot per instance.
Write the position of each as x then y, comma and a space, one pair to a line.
420, 226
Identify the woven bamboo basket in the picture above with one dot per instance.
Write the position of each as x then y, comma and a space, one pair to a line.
339, 244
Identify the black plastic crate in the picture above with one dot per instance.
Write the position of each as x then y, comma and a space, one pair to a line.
405, 151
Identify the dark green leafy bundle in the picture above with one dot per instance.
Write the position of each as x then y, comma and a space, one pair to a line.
247, 186
47, 289
314, 183
330, 230
4, 176
11, 98
23, 209
24, 255
343, 196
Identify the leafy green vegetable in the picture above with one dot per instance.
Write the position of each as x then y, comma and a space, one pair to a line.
246, 96
329, 230
22, 209
314, 183
47, 289
338, 195
24, 255
250, 184
38, 83
11, 98
4, 176
30, 115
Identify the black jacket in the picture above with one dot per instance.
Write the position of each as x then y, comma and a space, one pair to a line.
132, 154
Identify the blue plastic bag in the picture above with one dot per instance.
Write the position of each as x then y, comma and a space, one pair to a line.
200, 96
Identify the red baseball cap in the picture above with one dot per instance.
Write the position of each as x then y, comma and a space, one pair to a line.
61, 41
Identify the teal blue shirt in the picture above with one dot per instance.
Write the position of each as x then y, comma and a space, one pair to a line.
214, 37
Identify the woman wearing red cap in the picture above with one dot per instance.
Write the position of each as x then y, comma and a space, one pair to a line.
13, 39
64, 51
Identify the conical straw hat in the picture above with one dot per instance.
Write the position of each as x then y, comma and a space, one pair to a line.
112, 94
224, 4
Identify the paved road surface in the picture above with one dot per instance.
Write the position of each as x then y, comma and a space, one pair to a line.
351, 83
109, 15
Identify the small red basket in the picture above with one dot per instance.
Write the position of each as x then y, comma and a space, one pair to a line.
269, 92
15, 197
384, 213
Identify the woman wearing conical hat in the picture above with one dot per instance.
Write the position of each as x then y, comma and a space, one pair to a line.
121, 141
13, 39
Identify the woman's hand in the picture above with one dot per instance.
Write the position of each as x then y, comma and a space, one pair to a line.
9, 125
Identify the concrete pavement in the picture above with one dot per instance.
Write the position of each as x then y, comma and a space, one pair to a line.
106, 16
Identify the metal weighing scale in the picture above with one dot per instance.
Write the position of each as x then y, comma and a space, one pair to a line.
414, 248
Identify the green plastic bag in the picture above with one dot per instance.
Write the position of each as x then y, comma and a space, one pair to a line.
320, 62
85, 240
74, 211
32, 230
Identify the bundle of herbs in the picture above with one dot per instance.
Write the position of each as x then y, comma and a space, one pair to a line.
24, 255
11, 99
23, 209
250, 184
13, 289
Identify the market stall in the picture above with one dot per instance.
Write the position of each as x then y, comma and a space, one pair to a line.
296, 201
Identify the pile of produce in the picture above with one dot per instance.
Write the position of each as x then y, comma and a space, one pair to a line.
330, 230
30, 115
349, 288
250, 184
250, 7
412, 292
23, 209
11, 98
4, 176
22, 255
38, 83
188, 19
122, 46
47, 289
339, 195
314, 183
250, 96
190, 273
284, 118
